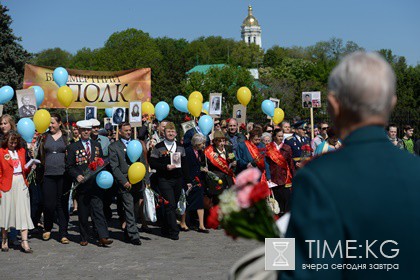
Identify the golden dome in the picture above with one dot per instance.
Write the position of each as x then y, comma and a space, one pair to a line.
250, 20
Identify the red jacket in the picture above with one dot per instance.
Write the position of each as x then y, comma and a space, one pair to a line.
6, 168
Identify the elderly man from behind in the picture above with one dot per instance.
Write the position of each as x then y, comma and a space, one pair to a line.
363, 208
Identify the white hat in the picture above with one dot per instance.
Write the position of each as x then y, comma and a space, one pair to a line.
95, 122
84, 124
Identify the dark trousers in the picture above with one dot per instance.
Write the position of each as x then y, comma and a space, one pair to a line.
283, 196
90, 203
130, 201
35, 193
55, 202
170, 189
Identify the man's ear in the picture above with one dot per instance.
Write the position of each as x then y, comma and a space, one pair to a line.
333, 105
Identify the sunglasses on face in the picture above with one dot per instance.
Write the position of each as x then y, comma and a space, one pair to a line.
325, 128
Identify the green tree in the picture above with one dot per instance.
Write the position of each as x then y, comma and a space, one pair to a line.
86, 59
52, 57
12, 58
249, 56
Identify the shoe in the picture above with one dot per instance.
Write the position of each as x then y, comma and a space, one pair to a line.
64, 240
183, 229
145, 229
5, 245
26, 251
136, 242
46, 236
203, 230
105, 242
83, 243
174, 237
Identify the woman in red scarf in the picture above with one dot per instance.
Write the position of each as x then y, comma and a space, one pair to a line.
279, 158
15, 210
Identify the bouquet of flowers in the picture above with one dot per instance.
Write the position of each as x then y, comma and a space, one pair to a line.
93, 168
306, 152
243, 210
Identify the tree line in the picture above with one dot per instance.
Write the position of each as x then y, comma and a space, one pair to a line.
284, 72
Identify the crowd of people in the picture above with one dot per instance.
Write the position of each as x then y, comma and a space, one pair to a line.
44, 182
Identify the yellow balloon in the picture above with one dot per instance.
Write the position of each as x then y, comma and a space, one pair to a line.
147, 108
65, 96
197, 95
244, 95
194, 107
278, 116
136, 172
42, 120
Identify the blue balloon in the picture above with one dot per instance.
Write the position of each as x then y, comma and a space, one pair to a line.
39, 95
108, 112
60, 76
181, 103
104, 180
6, 94
268, 107
161, 110
206, 106
134, 150
26, 129
205, 123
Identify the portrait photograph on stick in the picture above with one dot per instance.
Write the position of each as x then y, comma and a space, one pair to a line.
134, 115
239, 113
176, 159
118, 115
215, 108
91, 112
26, 102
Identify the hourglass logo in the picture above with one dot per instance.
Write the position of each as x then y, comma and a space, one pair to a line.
279, 253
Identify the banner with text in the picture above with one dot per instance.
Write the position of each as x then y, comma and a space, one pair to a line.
102, 89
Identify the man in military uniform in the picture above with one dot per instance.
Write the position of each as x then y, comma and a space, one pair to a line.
296, 141
89, 195
27, 110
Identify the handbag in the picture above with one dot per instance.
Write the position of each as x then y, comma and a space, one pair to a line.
149, 209
272, 203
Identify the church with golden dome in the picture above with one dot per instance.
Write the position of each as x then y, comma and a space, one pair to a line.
251, 29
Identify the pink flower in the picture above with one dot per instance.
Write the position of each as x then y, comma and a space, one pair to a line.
248, 176
244, 196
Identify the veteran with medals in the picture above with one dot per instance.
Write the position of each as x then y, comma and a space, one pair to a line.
222, 162
90, 197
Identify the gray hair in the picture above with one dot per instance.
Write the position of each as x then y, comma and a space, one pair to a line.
364, 85
197, 139
266, 134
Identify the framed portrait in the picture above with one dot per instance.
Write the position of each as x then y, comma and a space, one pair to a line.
176, 159
134, 114
276, 103
91, 112
316, 99
107, 123
307, 99
239, 113
215, 104
26, 103
188, 125
118, 115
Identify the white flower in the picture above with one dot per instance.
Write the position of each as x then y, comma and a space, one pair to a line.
228, 203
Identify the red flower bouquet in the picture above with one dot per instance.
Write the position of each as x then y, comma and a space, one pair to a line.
243, 210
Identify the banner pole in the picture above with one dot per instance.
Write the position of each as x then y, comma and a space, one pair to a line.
312, 123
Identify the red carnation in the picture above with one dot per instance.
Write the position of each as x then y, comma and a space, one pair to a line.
187, 118
259, 191
100, 162
306, 148
93, 165
157, 206
165, 202
243, 126
218, 187
213, 218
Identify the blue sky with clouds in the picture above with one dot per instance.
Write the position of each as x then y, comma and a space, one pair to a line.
72, 25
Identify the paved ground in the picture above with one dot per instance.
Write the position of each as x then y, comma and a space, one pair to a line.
194, 256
